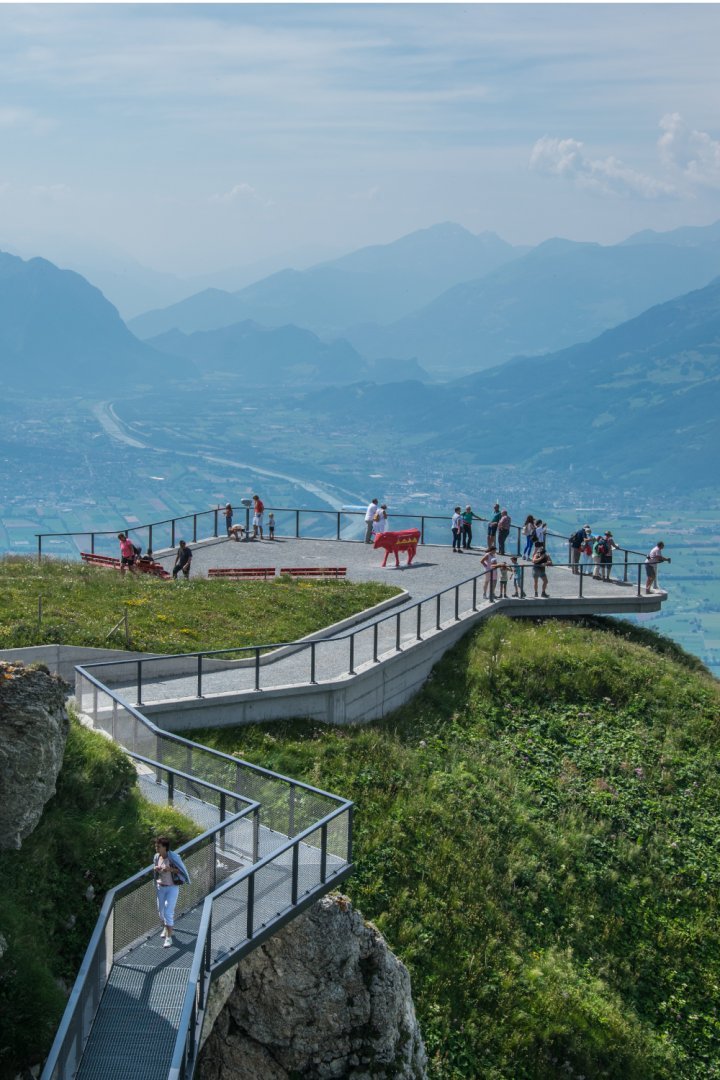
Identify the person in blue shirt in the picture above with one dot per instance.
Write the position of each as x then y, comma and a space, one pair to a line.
170, 873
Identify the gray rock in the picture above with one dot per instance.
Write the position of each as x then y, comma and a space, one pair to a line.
33, 730
324, 998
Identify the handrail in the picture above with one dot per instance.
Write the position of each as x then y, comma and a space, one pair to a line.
195, 516
264, 653
77, 1020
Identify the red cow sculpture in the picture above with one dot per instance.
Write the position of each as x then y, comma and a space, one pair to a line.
404, 540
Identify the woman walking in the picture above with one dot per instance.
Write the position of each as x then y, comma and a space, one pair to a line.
170, 874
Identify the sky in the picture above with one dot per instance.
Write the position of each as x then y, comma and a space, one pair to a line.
193, 137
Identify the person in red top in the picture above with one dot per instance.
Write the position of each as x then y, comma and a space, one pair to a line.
127, 554
258, 509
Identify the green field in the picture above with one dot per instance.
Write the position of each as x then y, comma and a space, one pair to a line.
74, 604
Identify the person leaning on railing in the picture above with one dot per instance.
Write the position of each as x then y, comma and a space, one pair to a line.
655, 556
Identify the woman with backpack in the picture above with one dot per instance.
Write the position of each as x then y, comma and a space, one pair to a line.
170, 873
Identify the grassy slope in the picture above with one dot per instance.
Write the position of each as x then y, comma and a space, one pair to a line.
82, 603
97, 831
537, 835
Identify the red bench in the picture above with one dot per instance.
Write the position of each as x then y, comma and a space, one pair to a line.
99, 560
145, 567
243, 573
314, 571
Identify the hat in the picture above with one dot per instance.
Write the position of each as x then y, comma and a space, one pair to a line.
228, 504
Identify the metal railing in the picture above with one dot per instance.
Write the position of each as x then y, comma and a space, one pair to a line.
345, 653
295, 839
290, 522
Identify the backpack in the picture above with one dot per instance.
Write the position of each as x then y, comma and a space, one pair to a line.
578, 538
137, 548
601, 547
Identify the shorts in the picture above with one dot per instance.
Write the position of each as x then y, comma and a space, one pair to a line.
127, 560
539, 572
651, 571
258, 520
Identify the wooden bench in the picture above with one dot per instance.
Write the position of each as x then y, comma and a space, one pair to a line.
99, 560
314, 571
146, 567
243, 573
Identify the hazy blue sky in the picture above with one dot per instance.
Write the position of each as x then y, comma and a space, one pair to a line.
198, 136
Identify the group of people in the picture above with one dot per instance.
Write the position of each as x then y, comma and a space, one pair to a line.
238, 532
596, 547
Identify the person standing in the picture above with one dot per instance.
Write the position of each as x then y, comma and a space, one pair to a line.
606, 565
182, 561
489, 561
655, 556
503, 530
493, 525
228, 515
528, 531
170, 872
467, 520
457, 524
381, 520
577, 542
370, 520
271, 525
128, 554
258, 510
541, 560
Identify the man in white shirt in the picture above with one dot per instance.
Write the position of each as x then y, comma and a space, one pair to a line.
369, 519
655, 556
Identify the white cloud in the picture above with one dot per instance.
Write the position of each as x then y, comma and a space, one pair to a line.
239, 193
605, 176
696, 153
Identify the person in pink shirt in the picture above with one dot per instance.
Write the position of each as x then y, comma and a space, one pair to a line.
127, 554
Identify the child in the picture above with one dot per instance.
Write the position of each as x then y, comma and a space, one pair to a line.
517, 576
504, 569
271, 525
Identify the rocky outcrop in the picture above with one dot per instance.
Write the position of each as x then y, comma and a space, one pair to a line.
33, 730
324, 998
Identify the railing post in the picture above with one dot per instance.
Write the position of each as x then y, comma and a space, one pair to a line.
422, 529
312, 661
323, 853
158, 758
150, 542
39, 540
474, 594
257, 669
625, 571
522, 581
418, 632
215, 524
291, 811
351, 669
194, 528
171, 787
172, 533
437, 613
199, 675
297, 524
375, 642
139, 683
113, 722
580, 580
457, 603
256, 836
519, 534
639, 580
397, 632
92, 543
295, 868
250, 905
337, 537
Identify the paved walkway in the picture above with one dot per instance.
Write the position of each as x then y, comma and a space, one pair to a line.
347, 652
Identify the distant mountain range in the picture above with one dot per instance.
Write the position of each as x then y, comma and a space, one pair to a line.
285, 356
58, 332
639, 405
375, 284
458, 302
